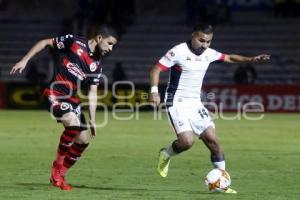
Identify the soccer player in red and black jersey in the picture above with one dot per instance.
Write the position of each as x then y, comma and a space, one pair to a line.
79, 65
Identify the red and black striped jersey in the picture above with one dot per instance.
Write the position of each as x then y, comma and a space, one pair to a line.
76, 67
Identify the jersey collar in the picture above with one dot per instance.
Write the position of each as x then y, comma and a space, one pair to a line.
189, 45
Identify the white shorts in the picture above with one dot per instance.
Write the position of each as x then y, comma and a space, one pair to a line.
189, 115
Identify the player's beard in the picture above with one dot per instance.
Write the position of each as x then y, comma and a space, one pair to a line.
199, 50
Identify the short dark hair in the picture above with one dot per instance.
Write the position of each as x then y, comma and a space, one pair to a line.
106, 31
205, 28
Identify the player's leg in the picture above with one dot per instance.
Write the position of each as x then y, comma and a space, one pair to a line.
184, 141
72, 129
75, 151
180, 123
210, 139
178, 119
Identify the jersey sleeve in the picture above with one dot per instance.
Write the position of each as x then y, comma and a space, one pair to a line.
216, 56
168, 60
63, 42
94, 79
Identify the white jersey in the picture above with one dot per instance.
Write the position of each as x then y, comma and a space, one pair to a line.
187, 70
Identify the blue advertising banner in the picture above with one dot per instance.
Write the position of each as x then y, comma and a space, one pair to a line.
250, 4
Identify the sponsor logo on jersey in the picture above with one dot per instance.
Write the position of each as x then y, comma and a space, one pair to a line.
93, 66
180, 123
166, 56
80, 43
64, 106
74, 69
60, 45
202, 58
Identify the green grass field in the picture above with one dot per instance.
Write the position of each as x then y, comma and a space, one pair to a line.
263, 159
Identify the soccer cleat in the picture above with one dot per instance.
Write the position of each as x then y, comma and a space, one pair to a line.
163, 163
54, 182
65, 185
57, 179
230, 191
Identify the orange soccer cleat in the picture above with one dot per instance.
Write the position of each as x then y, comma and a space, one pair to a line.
57, 179
65, 185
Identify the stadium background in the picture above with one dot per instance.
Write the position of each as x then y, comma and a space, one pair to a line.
263, 155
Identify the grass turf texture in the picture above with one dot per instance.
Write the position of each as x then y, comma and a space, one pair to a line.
262, 159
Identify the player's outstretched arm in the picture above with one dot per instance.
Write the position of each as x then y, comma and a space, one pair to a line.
154, 80
92, 96
233, 58
39, 46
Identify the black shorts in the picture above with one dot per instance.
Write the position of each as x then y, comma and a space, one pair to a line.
59, 108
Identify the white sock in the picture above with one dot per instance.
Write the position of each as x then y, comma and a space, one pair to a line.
219, 165
170, 151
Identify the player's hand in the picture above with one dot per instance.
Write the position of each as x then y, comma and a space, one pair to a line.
261, 58
155, 98
19, 66
93, 128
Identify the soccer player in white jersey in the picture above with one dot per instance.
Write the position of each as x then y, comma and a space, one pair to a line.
187, 63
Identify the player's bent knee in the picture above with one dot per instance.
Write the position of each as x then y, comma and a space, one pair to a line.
189, 142
186, 143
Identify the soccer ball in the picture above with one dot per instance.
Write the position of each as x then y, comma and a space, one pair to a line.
217, 180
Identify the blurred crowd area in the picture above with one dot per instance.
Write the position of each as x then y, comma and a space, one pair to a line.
82, 16
149, 28
79, 16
